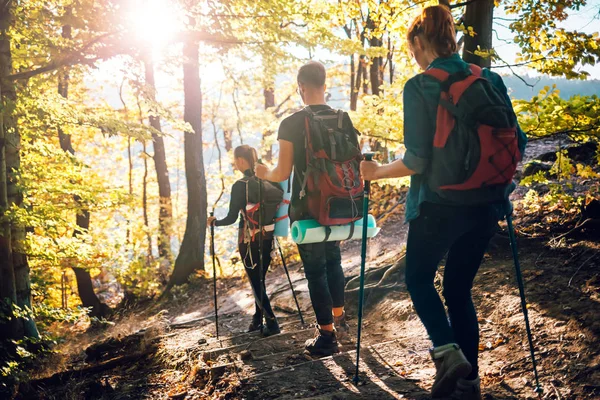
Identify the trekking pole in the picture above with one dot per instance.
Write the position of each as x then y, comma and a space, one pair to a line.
212, 251
290, 281
513, 245
260, 248
363, 260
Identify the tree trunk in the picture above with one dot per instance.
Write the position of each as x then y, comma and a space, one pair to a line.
85, 288
391, 59
228, 140
353, 91
365, 77
15, 269
375, 68
191, 254
165, 218
269, 94
130, 171
145, 201
8, 291
479, 15
359, 78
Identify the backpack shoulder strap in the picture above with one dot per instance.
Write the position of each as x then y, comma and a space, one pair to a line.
458, 87
437, 73
475, 70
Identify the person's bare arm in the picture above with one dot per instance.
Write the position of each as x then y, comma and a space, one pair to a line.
371, 170
283, 170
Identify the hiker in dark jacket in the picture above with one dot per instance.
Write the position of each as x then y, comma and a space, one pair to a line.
437, 225
245, 159
322, 261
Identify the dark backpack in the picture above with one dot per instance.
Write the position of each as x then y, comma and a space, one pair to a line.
331, 187
272, 196
475, 147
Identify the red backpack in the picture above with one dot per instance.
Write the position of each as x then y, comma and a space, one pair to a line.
475, 147
331, 187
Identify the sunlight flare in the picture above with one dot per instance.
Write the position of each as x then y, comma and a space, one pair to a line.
155, 22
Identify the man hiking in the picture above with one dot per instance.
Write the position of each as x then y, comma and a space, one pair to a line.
462, 145
322, 261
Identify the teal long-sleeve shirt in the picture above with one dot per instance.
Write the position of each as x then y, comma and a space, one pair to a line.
421, 98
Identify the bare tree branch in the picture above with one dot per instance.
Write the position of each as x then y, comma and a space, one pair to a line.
278, 108
74, 58
506, 65
283, 26
517, 75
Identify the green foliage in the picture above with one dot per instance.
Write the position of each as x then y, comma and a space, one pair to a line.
562, 167
544, 45
548, 114
538, 177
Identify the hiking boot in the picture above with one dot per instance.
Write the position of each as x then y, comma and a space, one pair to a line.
451, 365
271, 327
467, 390
324, 344
256, 323
342, 329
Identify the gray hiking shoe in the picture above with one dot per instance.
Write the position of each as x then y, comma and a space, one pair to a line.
342, 329
451, 365
467, 390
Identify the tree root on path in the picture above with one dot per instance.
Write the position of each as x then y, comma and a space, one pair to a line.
61, 377
588, 222
379, 277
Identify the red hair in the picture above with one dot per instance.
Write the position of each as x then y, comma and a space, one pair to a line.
435, 26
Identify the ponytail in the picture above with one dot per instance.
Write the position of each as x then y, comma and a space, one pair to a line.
436, 26
248, 153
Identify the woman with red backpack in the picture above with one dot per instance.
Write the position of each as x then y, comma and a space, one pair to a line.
243, 192
462, 144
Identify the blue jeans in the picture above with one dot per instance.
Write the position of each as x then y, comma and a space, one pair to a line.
463, 232
325, 276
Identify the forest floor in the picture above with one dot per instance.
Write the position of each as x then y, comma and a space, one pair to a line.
172, 351
169, 350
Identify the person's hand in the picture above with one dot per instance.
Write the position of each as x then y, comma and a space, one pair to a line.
211, 221
368, 170
261, 170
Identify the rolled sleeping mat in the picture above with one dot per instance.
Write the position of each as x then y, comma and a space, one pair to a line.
309, 231
282, 220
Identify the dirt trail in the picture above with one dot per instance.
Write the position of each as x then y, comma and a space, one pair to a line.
169, 351
177, 355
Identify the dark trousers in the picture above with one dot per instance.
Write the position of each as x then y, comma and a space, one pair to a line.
463, 233
325, 276
250, 257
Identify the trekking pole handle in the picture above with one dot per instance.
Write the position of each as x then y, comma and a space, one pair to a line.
368, 157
